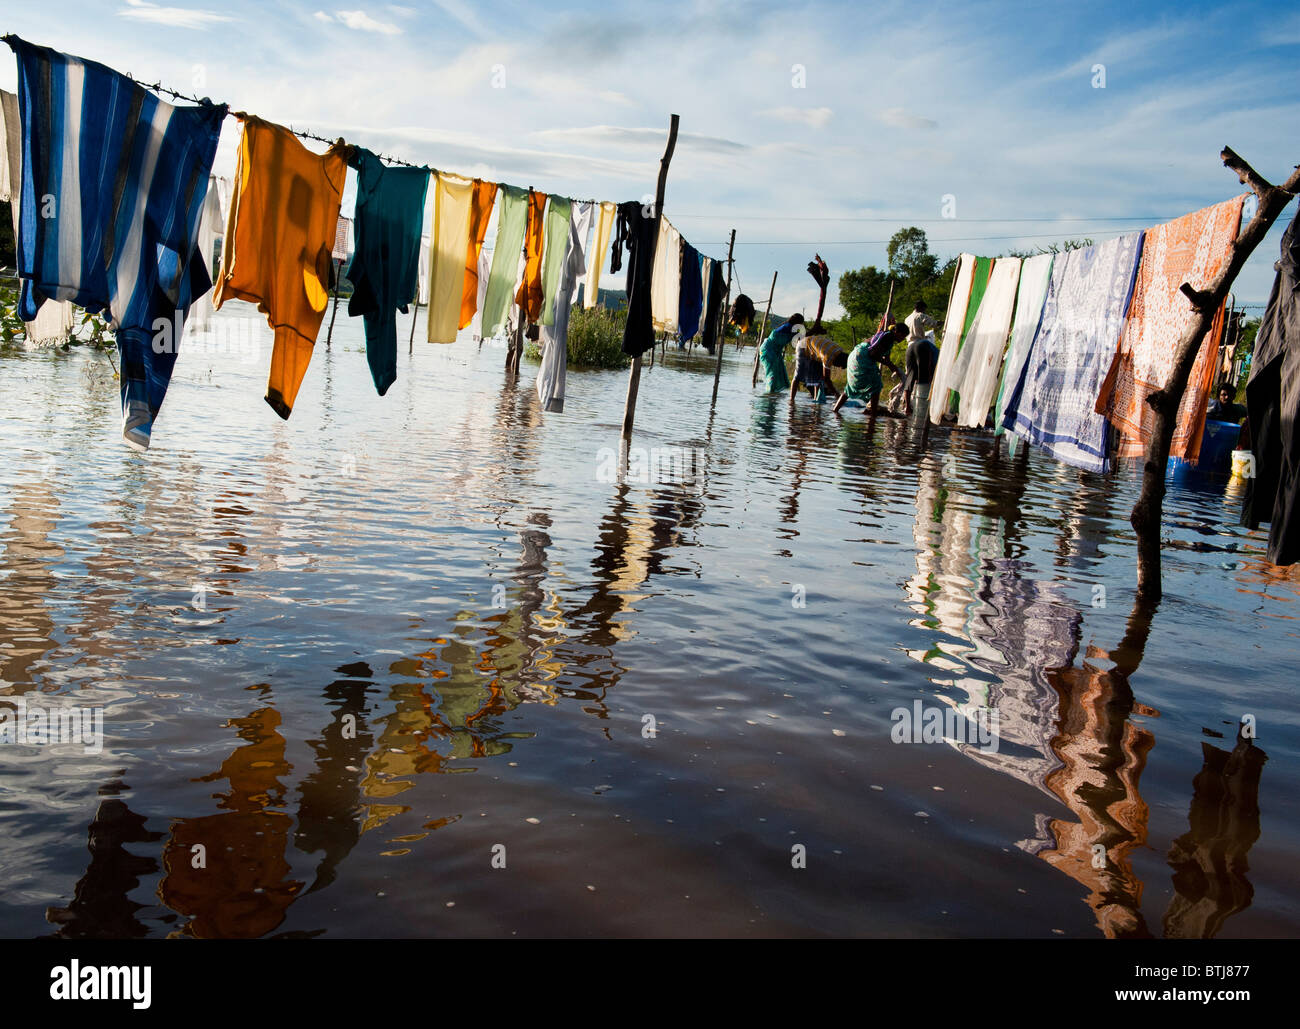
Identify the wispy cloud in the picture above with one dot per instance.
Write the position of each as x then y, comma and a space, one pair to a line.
815, 117
176, 17
901, 119
362, 22
618, 135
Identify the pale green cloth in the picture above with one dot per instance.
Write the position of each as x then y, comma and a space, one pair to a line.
512, 213
554, 246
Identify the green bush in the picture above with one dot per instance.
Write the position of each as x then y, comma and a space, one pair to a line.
595, 339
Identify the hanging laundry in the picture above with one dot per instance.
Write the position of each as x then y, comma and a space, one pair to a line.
639, 234
554, 251
280, 236
342, 249
665, 281
742, 313
690, 302
505, 258
112, 191
706, 277
1189, 249
485, 195
713, 308
555, 337
975, 376
530, 292
212, 226
385, 268
604, 222
939, 392
423, 296
55, 322
1034, 276
953, 323
453, 198
1054, 403
1273, 403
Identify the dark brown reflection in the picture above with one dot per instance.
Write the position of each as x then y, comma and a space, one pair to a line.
244, 890
101, 907
26, 624
1209, 861
330, 796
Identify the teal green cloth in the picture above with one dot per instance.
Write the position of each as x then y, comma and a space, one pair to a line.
863, 375
555, 241
512, 213
771, 356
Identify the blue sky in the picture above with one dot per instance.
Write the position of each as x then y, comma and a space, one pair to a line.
899, 105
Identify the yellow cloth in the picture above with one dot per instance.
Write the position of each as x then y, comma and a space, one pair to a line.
605, 221
485, 195
284, 213
449, 242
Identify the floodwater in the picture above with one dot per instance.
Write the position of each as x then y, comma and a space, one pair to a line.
414, 666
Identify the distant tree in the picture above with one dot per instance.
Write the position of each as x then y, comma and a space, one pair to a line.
909, 256
863, 292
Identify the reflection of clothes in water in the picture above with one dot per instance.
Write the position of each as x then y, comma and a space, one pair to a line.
863, 381
279, 241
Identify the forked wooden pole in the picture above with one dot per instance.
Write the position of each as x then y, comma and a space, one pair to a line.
634, 375
762, 332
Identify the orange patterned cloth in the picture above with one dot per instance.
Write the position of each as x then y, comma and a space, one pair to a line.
530, 292
1191, 249
485, 195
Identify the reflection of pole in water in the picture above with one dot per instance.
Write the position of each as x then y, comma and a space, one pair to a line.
1209, 861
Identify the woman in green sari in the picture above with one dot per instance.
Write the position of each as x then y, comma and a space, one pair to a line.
771, 353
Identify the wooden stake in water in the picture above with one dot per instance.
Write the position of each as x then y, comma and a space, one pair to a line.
762, 332
634, 376
723, 315
338, 274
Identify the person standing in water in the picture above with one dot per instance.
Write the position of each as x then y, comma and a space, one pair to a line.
864, 382
771, 353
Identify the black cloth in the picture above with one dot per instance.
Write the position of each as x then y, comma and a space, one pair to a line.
920, 362
1273, 405
640, 234
713, 308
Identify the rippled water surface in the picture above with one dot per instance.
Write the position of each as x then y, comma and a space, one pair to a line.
352, 663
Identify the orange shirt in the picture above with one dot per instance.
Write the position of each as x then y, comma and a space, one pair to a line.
284, 212
485, 194
530, 292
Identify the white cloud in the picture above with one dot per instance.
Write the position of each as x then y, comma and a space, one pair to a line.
901, 119
362, 22
177, 17
323, 16
815, 117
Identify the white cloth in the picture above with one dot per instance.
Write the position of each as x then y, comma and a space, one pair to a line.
55, 320
484, 269
212, 226
666, 278
975, 376
604, 222
424, 271
555, 337
952, 326
1035, 274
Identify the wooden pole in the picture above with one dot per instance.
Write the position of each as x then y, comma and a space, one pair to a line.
338, 274
410, 343
723, 313
634, 375
762, 332
1146, 516
884, 318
